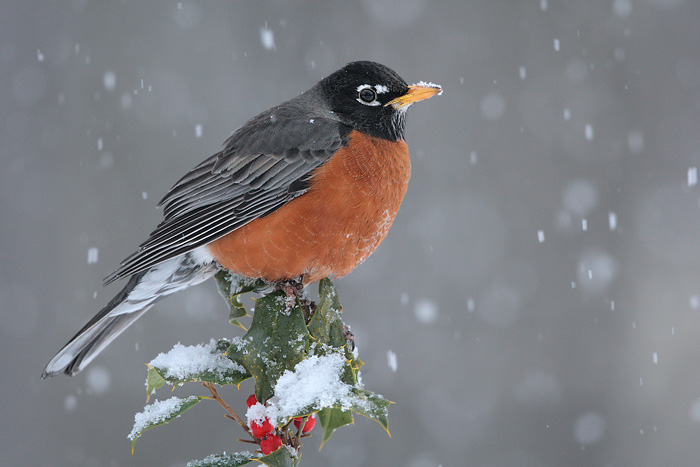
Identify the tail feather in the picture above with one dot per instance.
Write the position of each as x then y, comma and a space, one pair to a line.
95, 335
137, 297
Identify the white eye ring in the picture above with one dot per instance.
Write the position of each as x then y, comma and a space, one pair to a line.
361, 89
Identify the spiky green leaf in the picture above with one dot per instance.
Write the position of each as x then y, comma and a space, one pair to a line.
231, 286
276, 341
325, 325
160, 413
332, 418
373, 406
154, 380
282, 457
194, 363
224, 460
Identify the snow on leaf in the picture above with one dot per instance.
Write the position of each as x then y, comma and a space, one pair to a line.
159, 413
224, 460
314, 383
203, 362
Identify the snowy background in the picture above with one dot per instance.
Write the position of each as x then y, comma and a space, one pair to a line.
539, 291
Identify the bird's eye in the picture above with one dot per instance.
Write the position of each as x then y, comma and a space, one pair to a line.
367, 95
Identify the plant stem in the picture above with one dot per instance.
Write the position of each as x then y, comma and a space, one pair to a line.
229, 410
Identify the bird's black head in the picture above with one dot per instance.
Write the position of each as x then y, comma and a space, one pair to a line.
372, 98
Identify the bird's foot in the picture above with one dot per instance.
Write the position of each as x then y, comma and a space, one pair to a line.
294, 289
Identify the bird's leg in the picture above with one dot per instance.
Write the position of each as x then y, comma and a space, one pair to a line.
294, 288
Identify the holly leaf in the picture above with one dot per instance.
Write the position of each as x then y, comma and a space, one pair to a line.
282, 457
325, 325
224, 460
154, 380
160, 413
231, 286
276, 341
372, 406
332, 418
363, 402
195, 363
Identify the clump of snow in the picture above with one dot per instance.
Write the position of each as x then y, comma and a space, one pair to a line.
391, 361
93, 255
267, 37
426, 311
257, 413
98, 380
70, 403
109, 80
429, 85
185, 362
156, 413
223, 459
315, 382
470, 304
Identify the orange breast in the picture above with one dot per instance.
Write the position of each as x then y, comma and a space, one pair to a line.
347, 211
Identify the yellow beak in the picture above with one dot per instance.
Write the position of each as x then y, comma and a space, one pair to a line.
415, 93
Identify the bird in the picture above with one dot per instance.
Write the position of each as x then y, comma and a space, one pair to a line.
302, 191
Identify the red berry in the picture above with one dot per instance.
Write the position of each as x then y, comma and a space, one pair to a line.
308, 426
270, 443
262, 429
251, 401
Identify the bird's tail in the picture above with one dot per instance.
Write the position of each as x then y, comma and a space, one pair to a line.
137, 297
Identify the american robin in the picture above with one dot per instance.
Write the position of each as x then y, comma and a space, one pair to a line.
304, 190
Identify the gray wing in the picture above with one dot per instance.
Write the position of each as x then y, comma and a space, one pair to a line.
262, 167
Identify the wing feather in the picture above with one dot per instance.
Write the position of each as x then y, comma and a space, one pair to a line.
263, 166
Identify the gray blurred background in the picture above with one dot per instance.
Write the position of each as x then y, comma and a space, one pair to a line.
540, 289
